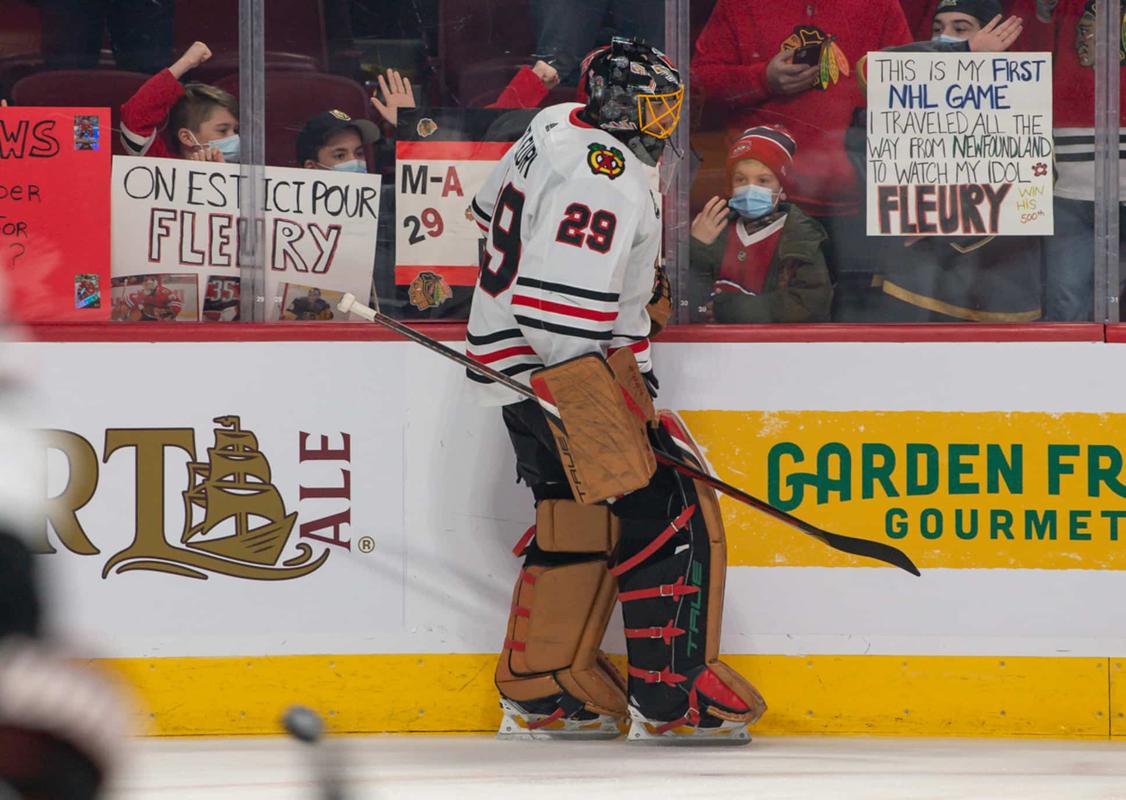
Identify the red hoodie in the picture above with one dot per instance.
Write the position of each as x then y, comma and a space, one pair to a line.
145, 113
730, 64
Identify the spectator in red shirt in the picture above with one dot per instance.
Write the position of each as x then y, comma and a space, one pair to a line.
1067, 29
198, 121
791, 63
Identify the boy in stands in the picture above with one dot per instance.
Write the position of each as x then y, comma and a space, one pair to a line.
165, 119
765, 264
333, 140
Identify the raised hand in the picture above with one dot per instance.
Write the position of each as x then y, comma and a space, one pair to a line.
195, 55
997, 36
397, 93
710, 222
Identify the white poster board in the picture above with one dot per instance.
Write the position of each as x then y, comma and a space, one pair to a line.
959, 144
181, 218
436, 182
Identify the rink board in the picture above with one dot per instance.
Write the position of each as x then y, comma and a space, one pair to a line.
394, 579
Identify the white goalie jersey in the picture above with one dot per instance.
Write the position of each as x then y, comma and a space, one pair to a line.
573, 233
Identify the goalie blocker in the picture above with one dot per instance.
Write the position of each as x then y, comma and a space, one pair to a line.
660, 542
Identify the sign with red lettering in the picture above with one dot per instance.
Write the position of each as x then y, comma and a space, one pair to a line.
960, 144
55, 213
177, 229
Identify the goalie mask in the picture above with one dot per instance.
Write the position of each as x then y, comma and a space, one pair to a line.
634, 93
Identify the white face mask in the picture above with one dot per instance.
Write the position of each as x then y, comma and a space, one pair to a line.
229, 146
945, 39
355, 165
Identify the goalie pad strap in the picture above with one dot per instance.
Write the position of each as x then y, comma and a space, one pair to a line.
658, 542
603, 447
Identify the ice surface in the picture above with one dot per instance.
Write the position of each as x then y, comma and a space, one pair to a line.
479, 767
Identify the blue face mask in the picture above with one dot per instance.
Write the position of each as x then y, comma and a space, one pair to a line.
355, 165
229, 146
752, 202
942, 38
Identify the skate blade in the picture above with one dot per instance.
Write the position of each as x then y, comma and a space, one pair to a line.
644, 732
514, 726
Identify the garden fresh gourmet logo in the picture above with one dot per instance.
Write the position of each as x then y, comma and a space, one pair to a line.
955, 490
235, 520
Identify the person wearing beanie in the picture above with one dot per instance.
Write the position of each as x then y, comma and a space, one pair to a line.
958, 20
756, 258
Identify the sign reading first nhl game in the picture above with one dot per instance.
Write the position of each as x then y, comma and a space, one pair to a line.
959, 144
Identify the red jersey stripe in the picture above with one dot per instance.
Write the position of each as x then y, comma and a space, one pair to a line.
497, 355
560, 308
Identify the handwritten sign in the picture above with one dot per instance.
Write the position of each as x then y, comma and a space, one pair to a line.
176, 217
55, 213
959, 144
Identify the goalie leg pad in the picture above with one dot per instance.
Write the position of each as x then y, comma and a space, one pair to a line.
671, 569
553, 679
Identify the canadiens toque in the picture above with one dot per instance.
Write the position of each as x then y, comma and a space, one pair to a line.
982, 10
773, 145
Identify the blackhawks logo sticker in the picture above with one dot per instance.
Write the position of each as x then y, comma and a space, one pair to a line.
428, 290
608, 161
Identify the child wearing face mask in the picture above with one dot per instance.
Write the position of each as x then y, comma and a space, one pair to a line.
333, 140
756, 258
165, 119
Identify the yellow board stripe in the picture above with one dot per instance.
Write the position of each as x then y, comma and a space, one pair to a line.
957, 490
867, 695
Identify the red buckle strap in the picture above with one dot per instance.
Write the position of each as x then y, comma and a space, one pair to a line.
667, 632
692, 717
550, 718
512, 644
658, 541
673, 590
522, 545
528, 577
520, 611
666, 675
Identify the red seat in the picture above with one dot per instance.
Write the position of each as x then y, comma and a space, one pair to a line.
81, 87
293, 97
295, 35
481, 44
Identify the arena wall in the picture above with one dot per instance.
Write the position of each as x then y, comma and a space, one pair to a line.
996, 463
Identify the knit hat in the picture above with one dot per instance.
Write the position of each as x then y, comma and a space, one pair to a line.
982, 10
770, 144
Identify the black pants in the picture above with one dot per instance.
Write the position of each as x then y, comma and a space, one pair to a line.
140, 33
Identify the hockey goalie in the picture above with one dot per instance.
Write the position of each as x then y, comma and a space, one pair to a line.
566, 302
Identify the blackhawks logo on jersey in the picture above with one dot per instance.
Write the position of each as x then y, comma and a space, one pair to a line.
827, 54
608, 161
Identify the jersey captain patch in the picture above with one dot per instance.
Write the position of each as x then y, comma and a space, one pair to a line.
607, 161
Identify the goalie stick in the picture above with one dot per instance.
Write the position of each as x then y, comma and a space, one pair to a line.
879, 551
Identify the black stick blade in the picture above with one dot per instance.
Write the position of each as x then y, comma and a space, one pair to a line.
880, 551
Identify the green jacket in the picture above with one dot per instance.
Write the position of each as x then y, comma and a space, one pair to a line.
797, 287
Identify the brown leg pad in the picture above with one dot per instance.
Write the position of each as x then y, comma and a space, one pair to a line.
564, 526
558, 619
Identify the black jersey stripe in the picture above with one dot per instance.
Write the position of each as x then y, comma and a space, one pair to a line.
479, 211
574, 291
566, 330
509, 371
491, 338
